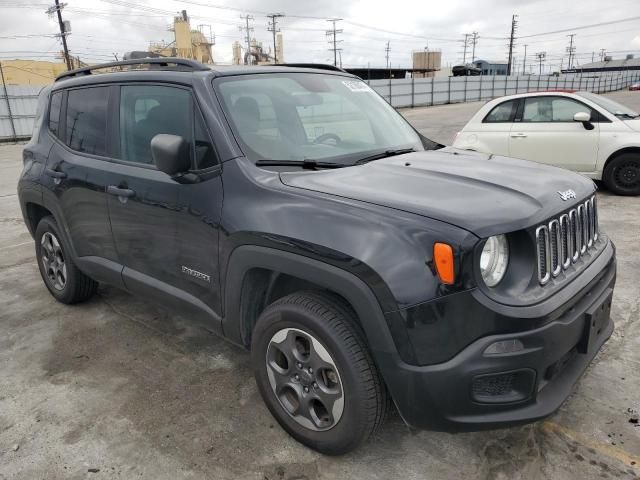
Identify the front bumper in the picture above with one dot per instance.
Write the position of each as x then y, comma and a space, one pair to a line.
474, 391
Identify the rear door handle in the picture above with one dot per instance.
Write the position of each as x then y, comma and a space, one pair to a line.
55, 173
120, 192
518, 135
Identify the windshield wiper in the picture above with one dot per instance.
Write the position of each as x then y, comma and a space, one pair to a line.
627, 115
385, 154
306, 163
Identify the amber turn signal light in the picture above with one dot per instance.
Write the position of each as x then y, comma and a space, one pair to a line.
443, 259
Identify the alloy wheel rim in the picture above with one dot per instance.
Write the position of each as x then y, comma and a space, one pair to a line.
53, 261
628, 174
305, 379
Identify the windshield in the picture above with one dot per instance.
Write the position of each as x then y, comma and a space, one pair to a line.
308, 116
609, 105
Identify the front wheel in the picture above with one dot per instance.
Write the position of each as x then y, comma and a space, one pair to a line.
622, 174
315, 373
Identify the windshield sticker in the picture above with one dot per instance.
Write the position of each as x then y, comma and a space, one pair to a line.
356, 86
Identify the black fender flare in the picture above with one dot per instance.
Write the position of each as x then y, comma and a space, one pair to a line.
353, 289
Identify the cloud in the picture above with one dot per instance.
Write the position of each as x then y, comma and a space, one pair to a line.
101, 29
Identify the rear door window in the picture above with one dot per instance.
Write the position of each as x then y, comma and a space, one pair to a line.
86, 121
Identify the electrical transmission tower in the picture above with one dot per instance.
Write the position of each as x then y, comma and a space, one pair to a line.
571, 50
332, 35
541, 57
273, 27
247, 37
387, 50
512, 39
64, 30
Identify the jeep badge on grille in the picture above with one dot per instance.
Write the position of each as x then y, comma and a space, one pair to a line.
567, 194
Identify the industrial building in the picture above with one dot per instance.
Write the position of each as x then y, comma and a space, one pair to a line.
188, 43
426, 63
491, 68
31, 72
257, 54
608, 65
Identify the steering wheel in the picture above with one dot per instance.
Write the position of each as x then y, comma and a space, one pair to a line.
328, 136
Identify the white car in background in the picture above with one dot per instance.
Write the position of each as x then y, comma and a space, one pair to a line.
582, 131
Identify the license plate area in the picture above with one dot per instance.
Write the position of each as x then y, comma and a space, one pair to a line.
596, 317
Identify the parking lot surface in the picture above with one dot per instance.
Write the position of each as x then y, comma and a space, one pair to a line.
119, 388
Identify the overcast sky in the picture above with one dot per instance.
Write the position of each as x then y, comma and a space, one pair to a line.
101, 28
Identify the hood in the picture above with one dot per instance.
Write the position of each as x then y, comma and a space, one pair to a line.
633, 124
481, 193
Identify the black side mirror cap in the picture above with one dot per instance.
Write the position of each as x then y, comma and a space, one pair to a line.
170, 154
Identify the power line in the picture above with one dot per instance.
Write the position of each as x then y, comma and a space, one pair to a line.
582, 27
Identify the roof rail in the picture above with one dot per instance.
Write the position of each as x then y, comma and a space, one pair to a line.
180, 63
320, 66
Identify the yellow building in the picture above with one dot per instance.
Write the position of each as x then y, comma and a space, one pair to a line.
31, 72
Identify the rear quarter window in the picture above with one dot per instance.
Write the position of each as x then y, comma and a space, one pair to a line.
503, 112
54, 113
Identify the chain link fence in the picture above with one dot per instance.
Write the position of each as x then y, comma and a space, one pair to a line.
419, 92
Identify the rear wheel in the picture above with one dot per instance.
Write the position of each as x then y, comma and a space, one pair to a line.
622, 174
315, 373
61, 276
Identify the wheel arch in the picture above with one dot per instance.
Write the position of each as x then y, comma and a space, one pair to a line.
258, 275
620, 151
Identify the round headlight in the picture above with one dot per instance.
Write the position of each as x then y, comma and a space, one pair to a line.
494, 260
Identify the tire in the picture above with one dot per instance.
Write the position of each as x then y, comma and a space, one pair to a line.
622, 174
338, 411
62, 278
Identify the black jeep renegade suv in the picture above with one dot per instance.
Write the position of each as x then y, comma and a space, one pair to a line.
294, 212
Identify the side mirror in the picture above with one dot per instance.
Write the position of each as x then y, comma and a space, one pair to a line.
170, 154
585, 119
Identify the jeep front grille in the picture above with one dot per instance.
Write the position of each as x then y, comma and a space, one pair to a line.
563, 240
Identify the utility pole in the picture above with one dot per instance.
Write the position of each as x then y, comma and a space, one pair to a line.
332, 35
512, 38
57, 9
524, 60
6, 97
387, 50
464, 51
273, 27
603, 52
541, 56
474, 41
571, 49
248, 31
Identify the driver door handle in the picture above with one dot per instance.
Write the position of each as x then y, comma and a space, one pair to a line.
55, 173
518, 135
120, 192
